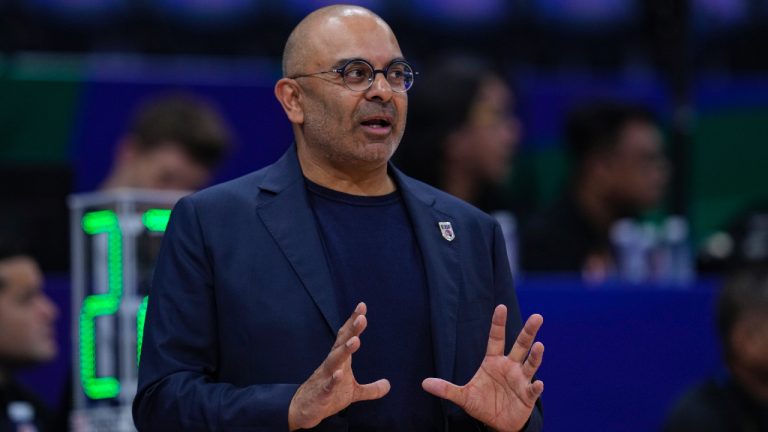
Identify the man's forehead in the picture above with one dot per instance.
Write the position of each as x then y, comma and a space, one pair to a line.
357, 36
355, 28
20, 270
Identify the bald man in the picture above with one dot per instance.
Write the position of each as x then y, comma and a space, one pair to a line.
329, 291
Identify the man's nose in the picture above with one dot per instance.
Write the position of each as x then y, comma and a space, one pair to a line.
380, 88
49, 308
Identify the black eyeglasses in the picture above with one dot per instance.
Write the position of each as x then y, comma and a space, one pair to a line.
358, 75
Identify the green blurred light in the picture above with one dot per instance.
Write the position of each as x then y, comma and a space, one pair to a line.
99, 221
96, 305
141, 316
94, 387
156, 219
95, 223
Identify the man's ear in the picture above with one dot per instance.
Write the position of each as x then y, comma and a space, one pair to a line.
289, 94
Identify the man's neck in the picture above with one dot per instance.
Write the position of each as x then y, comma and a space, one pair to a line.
362, 180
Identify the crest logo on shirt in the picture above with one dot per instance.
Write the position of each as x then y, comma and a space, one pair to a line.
446, 230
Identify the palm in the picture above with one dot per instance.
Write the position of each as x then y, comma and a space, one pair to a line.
495, 395
333, 387
501, 393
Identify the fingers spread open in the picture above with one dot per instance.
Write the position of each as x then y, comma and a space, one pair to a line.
443, 389
353, 326
341, 354
526, 337
374, 390
532, 363
497, 334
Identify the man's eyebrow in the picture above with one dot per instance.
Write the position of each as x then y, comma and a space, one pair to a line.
344, 61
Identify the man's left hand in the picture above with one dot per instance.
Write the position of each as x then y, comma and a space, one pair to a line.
501, 394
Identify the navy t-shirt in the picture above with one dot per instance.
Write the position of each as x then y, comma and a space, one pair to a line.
374, 257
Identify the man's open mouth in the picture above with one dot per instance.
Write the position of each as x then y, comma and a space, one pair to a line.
376, 123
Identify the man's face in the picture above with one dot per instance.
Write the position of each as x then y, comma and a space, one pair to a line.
27, 315
167, 167
639, 170
351, 127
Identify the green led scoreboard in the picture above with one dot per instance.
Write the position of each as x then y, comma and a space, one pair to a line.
116, 237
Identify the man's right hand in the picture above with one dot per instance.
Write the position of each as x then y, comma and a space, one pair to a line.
333, 387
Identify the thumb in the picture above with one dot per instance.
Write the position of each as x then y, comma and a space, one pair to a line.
374, 390
444, 389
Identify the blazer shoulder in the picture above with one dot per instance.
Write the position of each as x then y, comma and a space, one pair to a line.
244, 188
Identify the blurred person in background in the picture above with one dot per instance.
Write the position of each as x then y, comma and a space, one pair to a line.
618, 170
462, 133
27, 338
739, 402
174, 142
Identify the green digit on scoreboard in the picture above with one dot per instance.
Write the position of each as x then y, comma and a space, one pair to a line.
95, 223
155, 220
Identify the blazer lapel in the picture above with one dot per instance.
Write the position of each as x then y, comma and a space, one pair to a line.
289, 219
442, 267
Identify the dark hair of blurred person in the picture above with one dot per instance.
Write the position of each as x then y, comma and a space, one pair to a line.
618, 170
27, 337
174, 142
739, 402
461, 133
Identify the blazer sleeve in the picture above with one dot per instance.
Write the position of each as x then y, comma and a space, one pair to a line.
505, 294
178, 388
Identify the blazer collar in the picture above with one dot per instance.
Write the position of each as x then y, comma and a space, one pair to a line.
283, 173
289, 219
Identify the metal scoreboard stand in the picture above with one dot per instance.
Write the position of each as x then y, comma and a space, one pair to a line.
116, 237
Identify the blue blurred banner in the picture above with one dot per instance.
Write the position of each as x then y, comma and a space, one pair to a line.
589, 12
707, 14
80, 10
719, 13
206, 12
617, 359
298, 8
475, 11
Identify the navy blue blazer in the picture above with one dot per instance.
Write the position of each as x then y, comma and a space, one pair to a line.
242, 306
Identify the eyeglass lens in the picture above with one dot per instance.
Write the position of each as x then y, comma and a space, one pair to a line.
358, 76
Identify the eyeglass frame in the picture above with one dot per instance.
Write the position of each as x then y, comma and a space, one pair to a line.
340, 70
